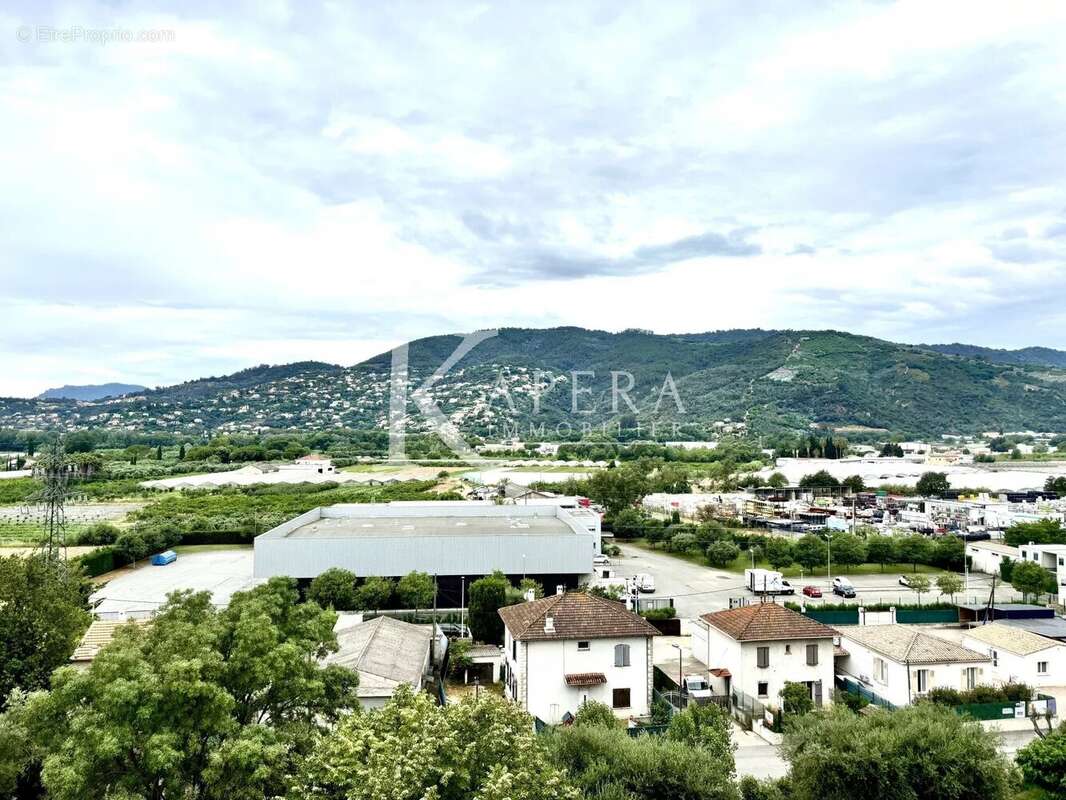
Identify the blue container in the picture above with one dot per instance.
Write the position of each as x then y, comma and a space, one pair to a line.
164, 558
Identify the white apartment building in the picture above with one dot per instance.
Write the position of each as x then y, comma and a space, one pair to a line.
757, 649
1051, 557
1019, 656
900, 663
567, 649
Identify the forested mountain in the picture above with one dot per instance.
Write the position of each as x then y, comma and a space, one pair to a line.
772, 380
1033, 356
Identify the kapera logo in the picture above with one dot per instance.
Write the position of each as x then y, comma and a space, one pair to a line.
447, 430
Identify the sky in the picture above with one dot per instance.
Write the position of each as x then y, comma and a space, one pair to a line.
188, 193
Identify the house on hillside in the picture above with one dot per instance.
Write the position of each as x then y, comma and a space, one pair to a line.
566, 649
386, 652
900, 663
755, 650
1019, 656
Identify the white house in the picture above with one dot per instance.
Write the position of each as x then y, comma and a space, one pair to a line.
320, 464
757, 649
1019, 656
566, 649
899, 663
1051, 557
986, 557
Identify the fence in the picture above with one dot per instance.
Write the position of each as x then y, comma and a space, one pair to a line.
854, 687
926, 615
985, 711
849, 616
647, 730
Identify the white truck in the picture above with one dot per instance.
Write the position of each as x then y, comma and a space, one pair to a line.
644, 582
696, 687
767, 581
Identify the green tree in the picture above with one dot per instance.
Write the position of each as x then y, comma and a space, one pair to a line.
459, 659
796, 699
43, 614
413, 749
777, 480
881, 549
914, 550
487, 596
595, 714
819, 479
848, 550
809, 551
416, 590
855, 483
1006, 569
705, 726
779, 552
932, 484
526, 584
1044, 531
919, 584
1056, 484
201, 704
1043, 762
374, 594
1031, 579
921, 751
722, 553
334, 588
181, 452
949, 584
618, 489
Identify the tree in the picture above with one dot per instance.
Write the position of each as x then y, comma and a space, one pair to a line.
1044, 531
595, 714
919, 584
416, 590
487, 596
413, 748
722, 553
334, 588
43, 614
617, 489
778, 552
1006, 569
920, 751
932, 484
1056, 484
891, 450
796, 699
459, 656
777, 480
848, 549
1031, 579
949, 584
1043, 762
855, 483
809, 551
374, 594
819, 479
181, 452
526, 584
201, 704
881, 549
914, 550
627, 523
705, 726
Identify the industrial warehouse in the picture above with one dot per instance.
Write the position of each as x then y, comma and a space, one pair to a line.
551, 543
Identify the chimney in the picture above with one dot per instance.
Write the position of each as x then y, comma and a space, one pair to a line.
531, 595
549, 624
560, 589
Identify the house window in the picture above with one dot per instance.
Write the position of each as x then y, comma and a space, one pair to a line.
812, 655
1041, 667
620, 698
762, 656
971, 677
880, 670
764, 689
583, 647
621, 658
514, 650
923, 681
788, 649
995, 658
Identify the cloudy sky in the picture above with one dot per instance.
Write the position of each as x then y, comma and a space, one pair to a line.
280, 181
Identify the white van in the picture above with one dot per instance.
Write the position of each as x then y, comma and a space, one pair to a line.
645, 583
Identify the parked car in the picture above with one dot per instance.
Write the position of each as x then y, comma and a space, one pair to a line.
905, 580
696, 686
843, 587
812, 591
601, 560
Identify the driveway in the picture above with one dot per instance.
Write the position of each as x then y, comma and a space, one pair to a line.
697, 589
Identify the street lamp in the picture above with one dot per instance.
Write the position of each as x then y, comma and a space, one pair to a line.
829, 557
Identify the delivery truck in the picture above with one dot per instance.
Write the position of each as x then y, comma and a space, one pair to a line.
767, 581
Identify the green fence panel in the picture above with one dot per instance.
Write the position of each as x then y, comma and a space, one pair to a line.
833, 616
926, 615
986, 710
648, 730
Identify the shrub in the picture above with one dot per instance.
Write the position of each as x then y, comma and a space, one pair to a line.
722, 554
770, 789
595, 715
334, 588
659, 613
100, 533
796, 699
1043, 762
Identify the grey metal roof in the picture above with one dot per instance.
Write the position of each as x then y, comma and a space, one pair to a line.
355, 526
385, 652
1053, 628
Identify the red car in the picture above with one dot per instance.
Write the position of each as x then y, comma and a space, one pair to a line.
812, 591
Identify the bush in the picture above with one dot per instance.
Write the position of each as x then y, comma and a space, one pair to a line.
854, 702
796, 699
97, 562
100, 533
659, 613
595, 715
770, 789
722, 554
1043, 763
334, 588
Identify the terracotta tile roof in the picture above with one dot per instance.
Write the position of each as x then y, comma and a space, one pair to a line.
907, 645
575, 615
721, 672
585, 679
761, 622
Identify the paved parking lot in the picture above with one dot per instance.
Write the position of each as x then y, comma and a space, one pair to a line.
141, 590
697, 589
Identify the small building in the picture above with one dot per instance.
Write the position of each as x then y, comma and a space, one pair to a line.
98, 635
1019, 656
900, 663
756, 649
566, 649
987, 557
982, 612
386, 652
1051, 557
320, 464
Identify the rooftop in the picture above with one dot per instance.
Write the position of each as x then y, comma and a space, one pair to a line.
1010, 638
1053, 628
98, 636
994, 547
907, 645
575, 615
763, 622
385, 652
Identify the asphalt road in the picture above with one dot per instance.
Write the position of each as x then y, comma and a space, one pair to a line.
698, 589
